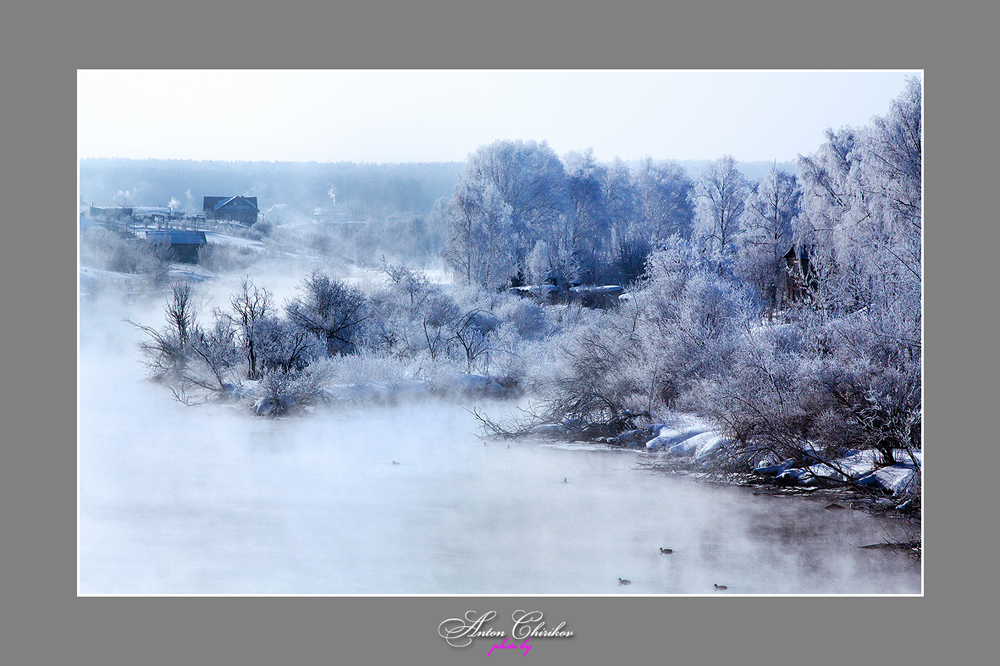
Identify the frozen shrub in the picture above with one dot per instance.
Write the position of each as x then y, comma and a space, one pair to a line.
367, 367
167, 351
262, 228
216, 349
223, 258
195, 362
598, 379
125, 253
280, 391
529, 319
284, 346
330, 310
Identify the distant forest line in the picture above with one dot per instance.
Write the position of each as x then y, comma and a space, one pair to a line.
287, 190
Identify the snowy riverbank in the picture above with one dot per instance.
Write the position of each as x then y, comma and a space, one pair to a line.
690, 444
693, 439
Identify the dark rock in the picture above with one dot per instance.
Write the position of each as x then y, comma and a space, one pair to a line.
592, 431
270, 407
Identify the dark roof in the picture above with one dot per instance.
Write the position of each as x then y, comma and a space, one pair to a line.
216, 203
177, 237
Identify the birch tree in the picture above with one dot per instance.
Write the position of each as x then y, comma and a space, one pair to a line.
766, 235
721, 194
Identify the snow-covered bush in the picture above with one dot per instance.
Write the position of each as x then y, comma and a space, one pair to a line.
221, 258
875, 381
167, 351
217, 351
195, 362
331, 310
279, 391
529, 319
767, 399
369, 367
124, 253
285, 346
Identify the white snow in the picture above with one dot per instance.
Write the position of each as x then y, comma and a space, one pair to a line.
376, 391
89, 274
860, 466
895, 479
226, 239
693, 438
675, 435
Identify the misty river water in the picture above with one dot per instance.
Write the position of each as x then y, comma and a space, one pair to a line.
175, 499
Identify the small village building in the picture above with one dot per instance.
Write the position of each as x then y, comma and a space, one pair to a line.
233, 209
111, 214
152, 214
185, 244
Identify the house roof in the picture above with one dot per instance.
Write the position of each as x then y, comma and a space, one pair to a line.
151, 210
177, 237
222, 203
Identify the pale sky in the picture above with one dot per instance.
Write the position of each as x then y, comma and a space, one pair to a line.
443, 115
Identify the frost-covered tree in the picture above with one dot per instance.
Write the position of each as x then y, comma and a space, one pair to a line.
188, 357
862, 222
286, 346
528, 177
482, 243
216, 348
331, 311
412, 283
399, 313
167, 351
629, 244
541, 263
861, 214
590, 220
512, 194
771, 207
555, 259
721, 194
666, 192
251, 306
438, 317
180, 312
896, 157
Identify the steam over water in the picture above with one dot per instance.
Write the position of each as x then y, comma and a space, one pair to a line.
207, 499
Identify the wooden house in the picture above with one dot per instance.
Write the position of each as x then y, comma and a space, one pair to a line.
234, 209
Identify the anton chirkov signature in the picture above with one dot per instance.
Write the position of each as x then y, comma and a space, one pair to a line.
461, 631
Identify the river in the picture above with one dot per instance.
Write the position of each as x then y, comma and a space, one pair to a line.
177, 499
